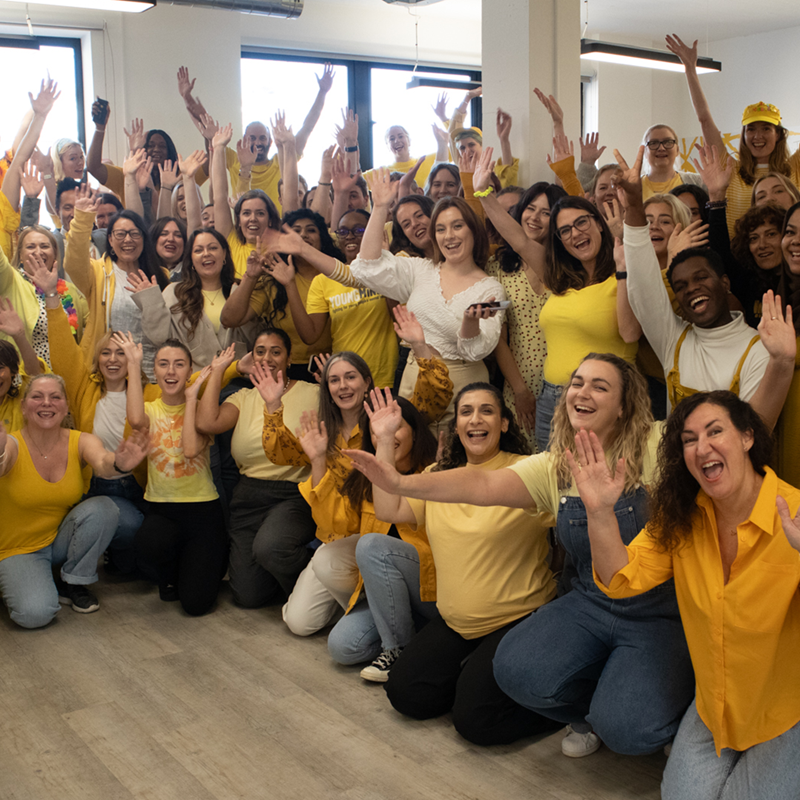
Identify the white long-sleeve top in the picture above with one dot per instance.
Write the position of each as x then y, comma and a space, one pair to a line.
708, 356
415, 282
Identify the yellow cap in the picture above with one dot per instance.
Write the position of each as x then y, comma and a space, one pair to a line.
761, 112
469, 133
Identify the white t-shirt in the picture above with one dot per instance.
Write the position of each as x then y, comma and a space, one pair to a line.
109, 419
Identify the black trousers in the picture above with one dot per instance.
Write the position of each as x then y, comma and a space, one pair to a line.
187, 544
440, 670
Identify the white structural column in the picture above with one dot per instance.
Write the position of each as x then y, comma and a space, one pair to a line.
531, 44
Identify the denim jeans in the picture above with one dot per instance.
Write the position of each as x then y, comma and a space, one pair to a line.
26, 580
127, 496
619, 666
386, 620
545, 407
766, 771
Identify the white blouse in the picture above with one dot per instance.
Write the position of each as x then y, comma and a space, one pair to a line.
416, 282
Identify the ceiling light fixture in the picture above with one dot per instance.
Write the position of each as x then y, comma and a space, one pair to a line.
133, 6
467, 86
641, 57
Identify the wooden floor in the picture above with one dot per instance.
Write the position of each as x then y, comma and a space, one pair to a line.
140, 701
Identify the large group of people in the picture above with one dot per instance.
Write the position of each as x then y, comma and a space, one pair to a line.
528, 453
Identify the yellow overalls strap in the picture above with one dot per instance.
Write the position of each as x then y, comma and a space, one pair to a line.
737, 374
675, 391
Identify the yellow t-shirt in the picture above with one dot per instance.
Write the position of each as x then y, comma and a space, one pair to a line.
239, 251
580, 322
491, 562
171, 477
212, 307
360, 321
115, 180
421, 177
9, 222
649, 188
246, 446
262, 176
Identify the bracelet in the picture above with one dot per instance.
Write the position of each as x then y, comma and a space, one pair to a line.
166, 188
716, 204
484, 193
621, 276
121, 471
47, 177
54, 294
351, 149
323, 183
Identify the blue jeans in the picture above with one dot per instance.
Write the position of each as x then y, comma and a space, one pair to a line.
545, 407
766, 771
127, 496
26, 580
390, 569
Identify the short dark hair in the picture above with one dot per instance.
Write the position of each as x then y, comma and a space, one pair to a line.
363, 211
327, 245
109, 198
399, 239
711, 256
280, 333
699, 194
66, 185
9, 357
178, 345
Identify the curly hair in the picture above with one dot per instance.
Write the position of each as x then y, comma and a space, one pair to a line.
631, 432
9, 357
189, 290
511, 441
755, 217
357, 487
400, 242
563, 271
673, 499
510, 260
327, 245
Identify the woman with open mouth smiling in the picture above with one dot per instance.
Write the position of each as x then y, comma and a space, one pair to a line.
614, 673
169, 235
723, 526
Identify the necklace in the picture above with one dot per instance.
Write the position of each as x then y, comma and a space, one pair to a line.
39, 449
212, 297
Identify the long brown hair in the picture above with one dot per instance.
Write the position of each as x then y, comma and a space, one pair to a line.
673, 499
189, 290
480, 239
778, 158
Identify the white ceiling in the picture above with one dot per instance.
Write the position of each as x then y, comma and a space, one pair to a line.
651, 19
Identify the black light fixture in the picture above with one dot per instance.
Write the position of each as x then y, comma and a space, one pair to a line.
641, 57
438, 83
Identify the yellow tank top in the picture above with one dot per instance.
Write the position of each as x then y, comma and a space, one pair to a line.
678, 392
32, 507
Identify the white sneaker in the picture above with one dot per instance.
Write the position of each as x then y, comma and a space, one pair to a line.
578, 745
378, 670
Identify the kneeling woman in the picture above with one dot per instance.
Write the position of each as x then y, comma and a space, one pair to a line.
491, 573
183, 532
45, 524
616, 671
722, 526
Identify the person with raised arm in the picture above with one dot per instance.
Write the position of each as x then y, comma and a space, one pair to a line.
727, 531
709, 347
762, 146
18, 364
45, 522
264, 172
618, 674
183, 532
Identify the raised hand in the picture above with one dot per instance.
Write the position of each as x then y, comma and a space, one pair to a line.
139, 282
694, 235
281, 135
96, 111
10, 322
222, 136
349, 130
326, 81
384, 190
503, 124
42, 161
441, 135
341, 179
271, 389
136, 136
48, 94
562, 148
133, 351
468, 160
312, 435
207, 125
44, 278
776, 330
282, 271
87, 199
133, 450
409, 179
246, 153
379, 473
598, 486
791, 525
407, 326
687, 55
135, 159
619, 253
319, 362
630, 181
473, 93
714, 175
32, 180
193, 389
192, 163
590, 148
552, 106
612, 211
255, 260
483, 171
168, 175
224, 359
385, 417
185, 85
440, 107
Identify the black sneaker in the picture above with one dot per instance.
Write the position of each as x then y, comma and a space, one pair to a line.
79, 597
378, 670
168, 593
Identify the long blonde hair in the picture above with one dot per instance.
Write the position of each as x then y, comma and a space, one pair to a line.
57, 150
630, 435
95, 374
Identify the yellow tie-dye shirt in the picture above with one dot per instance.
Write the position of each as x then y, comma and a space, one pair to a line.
171, 477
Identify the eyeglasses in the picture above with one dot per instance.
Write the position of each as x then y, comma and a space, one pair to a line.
343, 233
120, 236
667, 144
581, 224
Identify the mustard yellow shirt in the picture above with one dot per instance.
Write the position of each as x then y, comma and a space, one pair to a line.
580, 322
743, 636
491, 563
